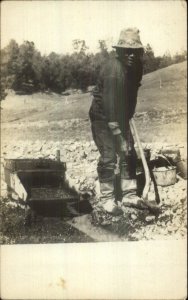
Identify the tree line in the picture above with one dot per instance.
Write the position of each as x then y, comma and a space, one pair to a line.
25, 70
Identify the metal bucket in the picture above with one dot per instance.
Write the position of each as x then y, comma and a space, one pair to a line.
182, 168
165, 176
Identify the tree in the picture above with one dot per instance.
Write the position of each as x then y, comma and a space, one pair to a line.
166, 60
103, 48
9, 64
9, 57
3, 92
22, 66
25, 74
81, 66
149, 59
50, 72
179, 57
80, 46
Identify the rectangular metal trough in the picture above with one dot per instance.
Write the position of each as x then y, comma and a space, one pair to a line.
40, 184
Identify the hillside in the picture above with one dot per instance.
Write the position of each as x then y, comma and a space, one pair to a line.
53, 107
161, 110
164, 89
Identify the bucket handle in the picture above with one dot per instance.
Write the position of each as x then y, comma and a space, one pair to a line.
163, 156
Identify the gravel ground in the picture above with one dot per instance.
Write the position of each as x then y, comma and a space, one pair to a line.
81, 158
43, 230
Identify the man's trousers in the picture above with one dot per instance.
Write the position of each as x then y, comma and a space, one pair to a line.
109, 151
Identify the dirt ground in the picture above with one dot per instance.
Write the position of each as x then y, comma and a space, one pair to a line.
37, 125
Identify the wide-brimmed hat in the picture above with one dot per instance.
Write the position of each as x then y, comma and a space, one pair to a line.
129, 38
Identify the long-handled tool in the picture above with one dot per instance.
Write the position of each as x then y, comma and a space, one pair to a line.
145, 203
144, 162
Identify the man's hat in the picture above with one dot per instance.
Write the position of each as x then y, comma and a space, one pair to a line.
129, 38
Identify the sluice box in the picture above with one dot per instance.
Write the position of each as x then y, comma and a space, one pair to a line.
40, 184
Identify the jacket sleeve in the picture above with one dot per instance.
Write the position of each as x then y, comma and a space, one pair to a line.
139, 74
112, 87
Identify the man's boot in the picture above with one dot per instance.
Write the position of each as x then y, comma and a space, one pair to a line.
129, 186
107, 190
129, 192
107, 198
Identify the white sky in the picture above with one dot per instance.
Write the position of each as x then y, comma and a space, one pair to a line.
52, 25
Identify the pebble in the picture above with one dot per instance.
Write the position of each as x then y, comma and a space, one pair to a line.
150, 218
134, 217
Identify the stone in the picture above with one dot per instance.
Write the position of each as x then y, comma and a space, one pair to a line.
150, 218
134, 217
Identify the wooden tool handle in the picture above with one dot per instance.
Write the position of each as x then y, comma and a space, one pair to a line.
144, 162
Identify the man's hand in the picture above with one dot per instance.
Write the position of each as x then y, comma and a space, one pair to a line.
121, 144
130, 60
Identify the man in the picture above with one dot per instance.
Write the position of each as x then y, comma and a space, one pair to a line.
113, 105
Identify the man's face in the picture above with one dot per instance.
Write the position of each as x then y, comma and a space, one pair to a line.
131, 56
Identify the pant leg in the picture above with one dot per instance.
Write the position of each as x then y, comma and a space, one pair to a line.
104, 141
128, 162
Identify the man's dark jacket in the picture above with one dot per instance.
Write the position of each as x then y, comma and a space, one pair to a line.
115, 95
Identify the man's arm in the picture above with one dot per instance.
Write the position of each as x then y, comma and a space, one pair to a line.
139, 74
112, 89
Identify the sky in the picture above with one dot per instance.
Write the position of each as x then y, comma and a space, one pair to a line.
53, 25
